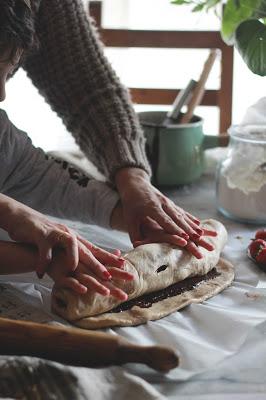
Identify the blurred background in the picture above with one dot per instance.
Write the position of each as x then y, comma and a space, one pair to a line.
165, 68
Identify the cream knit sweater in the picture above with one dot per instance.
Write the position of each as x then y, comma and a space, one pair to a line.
72, 73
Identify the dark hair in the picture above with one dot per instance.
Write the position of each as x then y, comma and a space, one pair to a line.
16, 27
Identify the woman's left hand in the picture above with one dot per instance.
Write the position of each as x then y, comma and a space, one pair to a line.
153, 233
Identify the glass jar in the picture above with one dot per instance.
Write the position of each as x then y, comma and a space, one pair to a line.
241, 177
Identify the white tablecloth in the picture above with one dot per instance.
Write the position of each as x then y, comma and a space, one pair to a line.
222, 342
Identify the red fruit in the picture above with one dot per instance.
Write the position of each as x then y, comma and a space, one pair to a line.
261, 257
261, 234
256, 247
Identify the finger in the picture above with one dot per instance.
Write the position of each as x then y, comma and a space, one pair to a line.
193, 225
163, 238
207, 232
70, 244
45, 258
118, 274
117, 252
194, 219
167, 223
93, 284
73, 284
92, 264
108, 258
102, 255
203, 243
187, 228
178, 218
180, 231
192, 229
86, 243
116, 292
193, 249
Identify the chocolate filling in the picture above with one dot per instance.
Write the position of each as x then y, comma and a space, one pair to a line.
148, 299
161, 268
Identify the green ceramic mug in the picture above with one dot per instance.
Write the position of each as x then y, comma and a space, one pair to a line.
176, 151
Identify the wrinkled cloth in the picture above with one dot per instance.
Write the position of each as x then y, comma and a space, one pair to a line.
221, 342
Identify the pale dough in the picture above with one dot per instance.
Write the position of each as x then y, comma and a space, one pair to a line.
90, 311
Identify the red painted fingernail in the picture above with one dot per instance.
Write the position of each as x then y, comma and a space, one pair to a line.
195, 236
122, 259
200, 231
185, 235
107, 275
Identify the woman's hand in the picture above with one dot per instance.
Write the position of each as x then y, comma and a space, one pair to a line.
86, 277
26, 225
141, 200
153, 233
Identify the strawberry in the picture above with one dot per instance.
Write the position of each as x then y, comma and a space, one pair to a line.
261, 234
257, 249
261, 257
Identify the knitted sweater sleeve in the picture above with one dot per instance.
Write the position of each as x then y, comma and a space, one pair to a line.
72, 73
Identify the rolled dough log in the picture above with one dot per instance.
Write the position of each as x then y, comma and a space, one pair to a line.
155, 266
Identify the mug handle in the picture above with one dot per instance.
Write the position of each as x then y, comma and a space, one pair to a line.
211, 141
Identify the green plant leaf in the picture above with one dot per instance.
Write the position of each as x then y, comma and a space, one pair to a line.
235, 12
198, 7
243, 25
212, 4
250, 40
182, 2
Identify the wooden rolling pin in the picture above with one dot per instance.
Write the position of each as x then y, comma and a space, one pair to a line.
79, 347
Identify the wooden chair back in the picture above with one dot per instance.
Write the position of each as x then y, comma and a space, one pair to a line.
221, 98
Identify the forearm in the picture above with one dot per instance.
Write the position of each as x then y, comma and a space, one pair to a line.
91, 204
57, 195
50, 186
9, 209
16, 258
6, 208
127, 177
84, 90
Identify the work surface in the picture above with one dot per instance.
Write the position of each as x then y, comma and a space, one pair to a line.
222, 342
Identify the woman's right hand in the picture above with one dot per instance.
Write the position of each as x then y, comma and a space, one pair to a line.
26, 225
86, 277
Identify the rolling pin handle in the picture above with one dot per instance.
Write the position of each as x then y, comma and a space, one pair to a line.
160, 358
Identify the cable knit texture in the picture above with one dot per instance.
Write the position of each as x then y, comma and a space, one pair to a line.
72, 73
